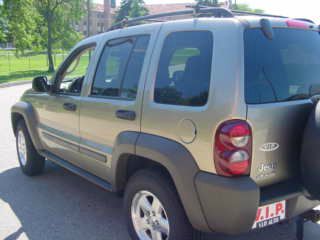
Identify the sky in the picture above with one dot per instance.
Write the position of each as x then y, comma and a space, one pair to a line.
291, 8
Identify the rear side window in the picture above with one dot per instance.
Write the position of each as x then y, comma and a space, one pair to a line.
282, 69
120, 67
184, 71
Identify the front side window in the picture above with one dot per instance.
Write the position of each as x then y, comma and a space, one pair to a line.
184, 71
71, 78
120, 67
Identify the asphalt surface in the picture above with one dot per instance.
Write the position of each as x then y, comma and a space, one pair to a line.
61, 205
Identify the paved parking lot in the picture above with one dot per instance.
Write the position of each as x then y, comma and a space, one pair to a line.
61, 205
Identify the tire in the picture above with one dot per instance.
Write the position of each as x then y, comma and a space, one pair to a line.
150, 184
310, 152
31, 163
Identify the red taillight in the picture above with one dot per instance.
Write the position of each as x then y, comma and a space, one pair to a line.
232, 150
297, 24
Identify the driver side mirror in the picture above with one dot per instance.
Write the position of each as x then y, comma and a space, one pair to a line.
40, 84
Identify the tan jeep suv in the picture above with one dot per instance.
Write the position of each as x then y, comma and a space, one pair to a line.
201, 122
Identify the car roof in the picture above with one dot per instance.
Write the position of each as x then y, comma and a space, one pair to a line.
246, 21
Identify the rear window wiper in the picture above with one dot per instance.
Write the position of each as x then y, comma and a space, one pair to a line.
297, 97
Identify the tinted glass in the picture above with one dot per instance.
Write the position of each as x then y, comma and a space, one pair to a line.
131, 80
185, 68
110, 71
120, 68
282, 69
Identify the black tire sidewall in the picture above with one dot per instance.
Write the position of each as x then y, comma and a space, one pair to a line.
34, 162
146, 180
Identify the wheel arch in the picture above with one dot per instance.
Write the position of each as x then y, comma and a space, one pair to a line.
15, 118
25, 111
133, 148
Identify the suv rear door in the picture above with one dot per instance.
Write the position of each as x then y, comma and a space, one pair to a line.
280, 76
113, 101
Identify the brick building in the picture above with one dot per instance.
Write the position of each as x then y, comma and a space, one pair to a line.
99, 20
101, 16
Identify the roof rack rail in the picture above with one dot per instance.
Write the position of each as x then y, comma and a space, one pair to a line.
197, 10
237, 12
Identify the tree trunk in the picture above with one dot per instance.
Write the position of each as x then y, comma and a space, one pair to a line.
49, 45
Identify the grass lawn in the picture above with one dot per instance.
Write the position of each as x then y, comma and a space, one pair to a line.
13, 68
27, 67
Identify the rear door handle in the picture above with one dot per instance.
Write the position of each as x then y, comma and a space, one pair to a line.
70, 107
126, 115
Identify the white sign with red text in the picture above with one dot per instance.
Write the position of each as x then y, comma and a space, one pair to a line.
270, 214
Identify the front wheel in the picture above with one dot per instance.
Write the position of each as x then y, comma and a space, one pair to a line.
31, 162
153, 209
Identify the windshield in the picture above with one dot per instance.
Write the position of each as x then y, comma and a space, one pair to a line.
282, 69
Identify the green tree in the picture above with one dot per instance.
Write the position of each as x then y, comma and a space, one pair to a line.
209, 2
20, 16
246, 8
56, 25
130, 9
3, 25
42, 24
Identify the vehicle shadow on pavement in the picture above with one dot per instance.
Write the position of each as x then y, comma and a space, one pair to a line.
61, 205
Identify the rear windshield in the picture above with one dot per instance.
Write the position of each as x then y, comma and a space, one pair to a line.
282, 69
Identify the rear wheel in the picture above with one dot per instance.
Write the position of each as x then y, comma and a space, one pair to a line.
31, 162
153, 210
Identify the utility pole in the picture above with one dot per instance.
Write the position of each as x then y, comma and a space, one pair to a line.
88, 17
107, 12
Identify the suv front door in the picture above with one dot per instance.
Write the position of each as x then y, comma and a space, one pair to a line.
59, 117
114, 97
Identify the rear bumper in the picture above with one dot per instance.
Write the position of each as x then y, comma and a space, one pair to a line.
230, 204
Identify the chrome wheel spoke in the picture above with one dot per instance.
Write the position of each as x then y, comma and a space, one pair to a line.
163, 226
156, 206
145, 205
156, 235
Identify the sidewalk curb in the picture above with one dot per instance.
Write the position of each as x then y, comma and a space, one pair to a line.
12, 84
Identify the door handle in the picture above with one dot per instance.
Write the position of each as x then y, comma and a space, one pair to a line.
70, 107
126, 115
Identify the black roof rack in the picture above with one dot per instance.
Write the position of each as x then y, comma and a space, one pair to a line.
196, 10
